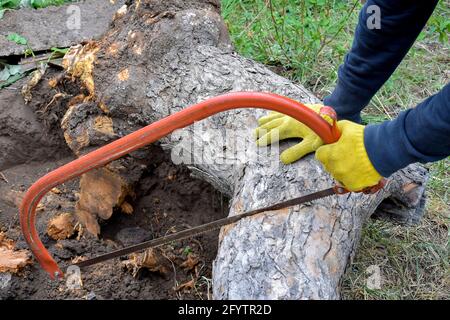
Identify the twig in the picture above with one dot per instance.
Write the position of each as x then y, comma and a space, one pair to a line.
208, 287
317, 82
383, 107
195, 287
325, 43
174, 269
277, 33
284, 21
253, 20
3, 177
198, 243
56, 96
302, 19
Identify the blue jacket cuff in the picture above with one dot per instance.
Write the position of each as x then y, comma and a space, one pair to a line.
389, 148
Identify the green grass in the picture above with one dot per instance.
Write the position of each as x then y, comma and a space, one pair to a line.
414, 261
306, 41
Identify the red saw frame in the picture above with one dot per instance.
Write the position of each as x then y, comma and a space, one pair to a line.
329, 133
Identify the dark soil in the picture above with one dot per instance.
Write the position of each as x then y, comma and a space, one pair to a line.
167, 200
24, 137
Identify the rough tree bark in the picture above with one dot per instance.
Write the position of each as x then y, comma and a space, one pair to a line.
161, 56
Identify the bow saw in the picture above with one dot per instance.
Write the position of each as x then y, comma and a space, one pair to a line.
329, 133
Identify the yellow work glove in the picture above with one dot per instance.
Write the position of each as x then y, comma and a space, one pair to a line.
347, 159
277, 126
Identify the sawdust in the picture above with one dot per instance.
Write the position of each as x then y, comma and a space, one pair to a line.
123, 75
103, 107
61, 226
152, 18
182, 201
55, 190
137, 42
120, 12
12, 260
113, 49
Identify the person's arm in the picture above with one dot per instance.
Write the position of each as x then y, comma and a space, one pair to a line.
363, 154
376, 53
420, 134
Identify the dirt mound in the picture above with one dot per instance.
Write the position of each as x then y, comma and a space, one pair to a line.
167, 200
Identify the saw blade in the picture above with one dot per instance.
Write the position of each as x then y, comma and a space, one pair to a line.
207, 227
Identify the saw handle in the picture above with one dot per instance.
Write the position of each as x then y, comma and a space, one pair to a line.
338, 189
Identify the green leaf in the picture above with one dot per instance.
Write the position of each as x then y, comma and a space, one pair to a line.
60, 50
14, 37
443, 37
4, 74
14, 69
421, 36
187, 250
39, 4
28, 52
9, 4
9, 70
11, 80
369, 118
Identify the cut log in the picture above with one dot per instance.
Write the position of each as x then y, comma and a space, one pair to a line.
161, 56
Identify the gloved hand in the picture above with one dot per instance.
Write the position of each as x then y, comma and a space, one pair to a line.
288, 127
347, 159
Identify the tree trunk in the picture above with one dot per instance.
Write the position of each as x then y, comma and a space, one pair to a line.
161, 56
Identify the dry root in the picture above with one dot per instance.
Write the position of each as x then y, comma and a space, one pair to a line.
191, 262
12, 260
61, 227
152, 260
100, 191
187, 286
36, 76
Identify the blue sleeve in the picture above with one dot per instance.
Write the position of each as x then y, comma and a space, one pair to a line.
376, 53
420, 134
